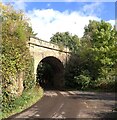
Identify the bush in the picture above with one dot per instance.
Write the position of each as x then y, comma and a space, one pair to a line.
17, 67
107, 83
82, 81
30, 96
29, 80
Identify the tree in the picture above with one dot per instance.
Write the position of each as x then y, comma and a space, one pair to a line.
17, 71
95, 60
103, 40
66, 39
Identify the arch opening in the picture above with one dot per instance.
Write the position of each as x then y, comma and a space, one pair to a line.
50, 73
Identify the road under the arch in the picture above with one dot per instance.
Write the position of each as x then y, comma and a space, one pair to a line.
50, 73
72, 104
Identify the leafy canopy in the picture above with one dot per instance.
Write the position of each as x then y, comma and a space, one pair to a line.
96, 57
66, 39
17, 65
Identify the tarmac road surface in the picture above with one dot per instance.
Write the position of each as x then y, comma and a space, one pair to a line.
71, 104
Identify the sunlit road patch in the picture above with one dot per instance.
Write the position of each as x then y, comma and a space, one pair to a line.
50, 93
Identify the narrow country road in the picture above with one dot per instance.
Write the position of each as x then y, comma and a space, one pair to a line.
71, 104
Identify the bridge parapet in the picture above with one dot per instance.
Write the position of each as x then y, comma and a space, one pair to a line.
38, 42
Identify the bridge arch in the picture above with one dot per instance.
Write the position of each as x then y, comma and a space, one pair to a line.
43, 52
50, 73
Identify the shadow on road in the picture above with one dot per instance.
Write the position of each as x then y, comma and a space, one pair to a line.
95, 96
108, 115
106, 98
70, 102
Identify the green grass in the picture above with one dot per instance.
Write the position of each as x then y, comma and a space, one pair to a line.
27, 99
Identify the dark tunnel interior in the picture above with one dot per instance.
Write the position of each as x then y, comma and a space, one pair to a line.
50, 73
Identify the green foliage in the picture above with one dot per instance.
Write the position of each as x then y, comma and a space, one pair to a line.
103, 40
76, 74
72, 70
44, 73
66, 39
16, 59
29, 81
82, 81
97, 54
28, 98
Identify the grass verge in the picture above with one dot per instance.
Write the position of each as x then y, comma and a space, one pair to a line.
27, 99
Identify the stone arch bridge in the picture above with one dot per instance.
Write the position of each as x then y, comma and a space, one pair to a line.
52, 54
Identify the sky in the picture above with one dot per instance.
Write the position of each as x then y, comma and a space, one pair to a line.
47, 18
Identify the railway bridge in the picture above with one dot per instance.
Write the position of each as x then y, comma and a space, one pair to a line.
51, 55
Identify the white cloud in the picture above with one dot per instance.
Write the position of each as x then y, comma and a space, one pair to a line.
112, 22
47, 22
48, 5
92, 9
19, 4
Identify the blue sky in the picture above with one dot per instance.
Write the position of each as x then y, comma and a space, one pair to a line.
47, 18
107, 9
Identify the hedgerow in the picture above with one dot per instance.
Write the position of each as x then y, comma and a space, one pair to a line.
17, 63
